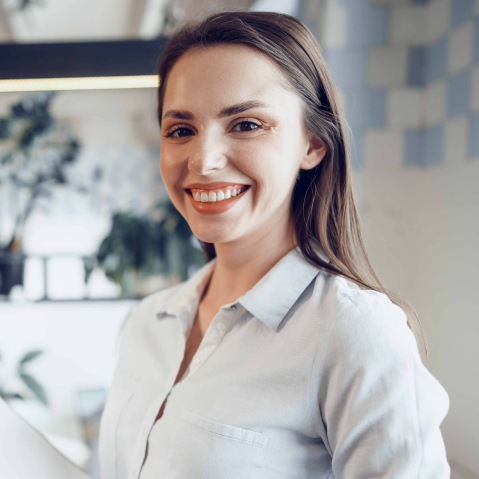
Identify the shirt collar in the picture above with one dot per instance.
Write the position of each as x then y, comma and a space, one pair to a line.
189, 291
269, 299
275, 293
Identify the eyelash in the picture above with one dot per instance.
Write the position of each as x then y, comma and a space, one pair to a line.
236, 124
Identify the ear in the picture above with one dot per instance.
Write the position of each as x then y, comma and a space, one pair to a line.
314, 155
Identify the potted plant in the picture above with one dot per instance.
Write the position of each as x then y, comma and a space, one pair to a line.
31, 389
137, 248
35, 152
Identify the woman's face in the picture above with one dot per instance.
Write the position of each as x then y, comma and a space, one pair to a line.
228, 121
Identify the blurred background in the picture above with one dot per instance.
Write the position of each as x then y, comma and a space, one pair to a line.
86, 227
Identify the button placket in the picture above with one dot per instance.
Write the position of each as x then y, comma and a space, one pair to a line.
204, 351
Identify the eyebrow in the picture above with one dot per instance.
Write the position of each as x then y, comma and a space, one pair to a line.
225, 112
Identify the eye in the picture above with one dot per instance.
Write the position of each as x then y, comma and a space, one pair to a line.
182, 131
250, 126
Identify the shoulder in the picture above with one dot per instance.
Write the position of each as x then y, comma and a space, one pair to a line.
363, 324
367, 306
378, 406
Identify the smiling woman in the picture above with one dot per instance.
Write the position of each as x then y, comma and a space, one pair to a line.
247, 130
284, 356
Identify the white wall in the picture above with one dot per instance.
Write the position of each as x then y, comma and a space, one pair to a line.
118, 130
446, 282
78, 340
421, 222
422, 232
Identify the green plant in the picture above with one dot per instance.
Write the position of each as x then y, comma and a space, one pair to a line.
138, 247
32, 388
35, 152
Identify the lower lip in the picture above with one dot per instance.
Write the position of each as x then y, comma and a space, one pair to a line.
216, 207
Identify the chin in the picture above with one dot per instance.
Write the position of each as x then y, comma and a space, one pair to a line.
212, 236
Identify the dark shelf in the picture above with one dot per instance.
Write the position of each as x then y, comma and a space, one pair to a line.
80, 59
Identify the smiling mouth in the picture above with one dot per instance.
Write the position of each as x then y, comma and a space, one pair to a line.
216, 196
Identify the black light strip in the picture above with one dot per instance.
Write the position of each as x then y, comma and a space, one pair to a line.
41, 61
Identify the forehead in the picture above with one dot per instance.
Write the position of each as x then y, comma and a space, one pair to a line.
223, 74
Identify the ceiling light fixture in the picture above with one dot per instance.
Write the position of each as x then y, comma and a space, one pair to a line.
83, 83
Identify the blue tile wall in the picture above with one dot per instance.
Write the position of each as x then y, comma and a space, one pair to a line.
414, 147
434, 144
369, 24
417, 66
458, 94
427, 64
311, 23
476, 41
348, 65
474, 135
436, 60
461, 11
366, 107
424, 147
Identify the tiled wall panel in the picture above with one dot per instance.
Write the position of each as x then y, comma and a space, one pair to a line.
408, 67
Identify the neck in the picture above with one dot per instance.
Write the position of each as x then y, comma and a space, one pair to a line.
240, 265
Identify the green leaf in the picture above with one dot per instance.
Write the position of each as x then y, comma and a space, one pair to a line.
88, 266
8, 396
30, 356
35, 387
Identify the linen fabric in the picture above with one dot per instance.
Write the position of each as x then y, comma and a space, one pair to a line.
304, 376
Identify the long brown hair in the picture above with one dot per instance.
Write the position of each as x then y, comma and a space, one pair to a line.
322, 206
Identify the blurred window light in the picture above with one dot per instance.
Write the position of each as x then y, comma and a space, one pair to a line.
34, 282
65, 278
289, 7
86, 83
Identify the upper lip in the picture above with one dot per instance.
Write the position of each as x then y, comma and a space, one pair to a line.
210, 186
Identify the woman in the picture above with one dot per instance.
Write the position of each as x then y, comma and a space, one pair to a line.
283, 357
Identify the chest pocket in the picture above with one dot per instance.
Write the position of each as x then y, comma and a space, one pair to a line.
206, 449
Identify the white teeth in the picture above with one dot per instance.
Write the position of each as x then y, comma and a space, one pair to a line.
215, 196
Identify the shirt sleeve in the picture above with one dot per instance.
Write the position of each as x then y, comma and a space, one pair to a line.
380, 406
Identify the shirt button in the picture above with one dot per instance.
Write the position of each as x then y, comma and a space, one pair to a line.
196, 361
221, 326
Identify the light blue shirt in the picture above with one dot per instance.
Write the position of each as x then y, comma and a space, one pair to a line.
304, 376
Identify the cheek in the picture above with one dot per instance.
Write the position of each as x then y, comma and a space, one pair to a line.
170, 177
256, 159
169, 171
270, 164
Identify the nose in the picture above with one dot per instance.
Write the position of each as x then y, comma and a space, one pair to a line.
207, 153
